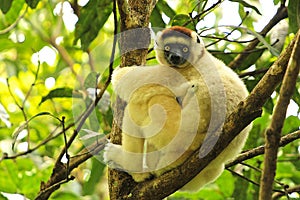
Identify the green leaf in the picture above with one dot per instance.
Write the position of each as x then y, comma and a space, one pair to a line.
97, 172
156, 19
32, 3
6, 44
296, 95
220, 54
294, 15
247, 5
256, 137
65, 195
4, 116
251, 59
227, 179
9, 177
241, 187
13, 13
5, 5
286, 170
291, 124
165, 8
269, 106
19, 176
272, 50
180, 20
2, 197
92, 18
24, 125
91, 80
59, 93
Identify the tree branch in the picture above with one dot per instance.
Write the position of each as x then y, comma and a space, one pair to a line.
67, 58
261, 149
134, 42
246, 111
277, 195
273, 133
60, 171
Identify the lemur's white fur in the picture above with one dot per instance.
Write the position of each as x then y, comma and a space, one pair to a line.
170, 110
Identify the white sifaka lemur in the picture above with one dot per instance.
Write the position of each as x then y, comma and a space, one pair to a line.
172, 108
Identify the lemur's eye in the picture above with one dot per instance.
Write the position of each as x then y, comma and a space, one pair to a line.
167, 48
185, 49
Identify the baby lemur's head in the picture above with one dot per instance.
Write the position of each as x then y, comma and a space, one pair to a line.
178, 47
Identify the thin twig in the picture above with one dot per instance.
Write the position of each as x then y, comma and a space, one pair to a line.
214, 52
259, 170
243, 177
67, 58
52, 187
248, 180
288, 191
227, 35
226, 39
261, 149
200, 15
13, 25
45, 141
253, 73
91, 61
66, 149
55, 180
281, 14
25, 100
21, 107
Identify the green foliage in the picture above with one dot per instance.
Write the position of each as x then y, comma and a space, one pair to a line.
156, 16
213, 191
97, 173
247, 5
181, 19
164, 7
58, 93
156, 19
93, 17
294, 15
5, 5
91, 80
252, 59
65, 195
32, 3
291, 124
241, 187
22, 175
11, 13
276, 1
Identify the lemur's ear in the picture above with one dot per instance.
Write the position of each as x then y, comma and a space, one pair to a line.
199, 39
196, 37
157, 37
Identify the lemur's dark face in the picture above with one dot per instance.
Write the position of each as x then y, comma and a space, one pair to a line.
178, 47
176, 54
